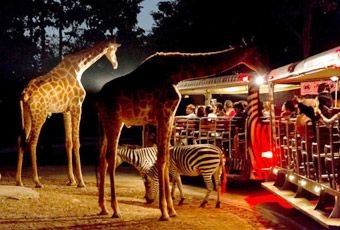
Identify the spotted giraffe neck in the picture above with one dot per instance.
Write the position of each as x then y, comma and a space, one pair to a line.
184, 66
80, 61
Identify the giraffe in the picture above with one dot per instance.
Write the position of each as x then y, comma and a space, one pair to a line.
148, 95
59, 91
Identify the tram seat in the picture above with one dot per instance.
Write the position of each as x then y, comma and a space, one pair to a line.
223, 133
238, 158
332, 158
183, 129
179, 130
290, 143
206, 132
332, 165
320, 149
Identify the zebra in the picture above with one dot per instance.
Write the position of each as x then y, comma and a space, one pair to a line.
142, 159
190, 160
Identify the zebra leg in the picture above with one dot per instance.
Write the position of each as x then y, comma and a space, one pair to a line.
217, 176
173, 188
180, 188
210, 187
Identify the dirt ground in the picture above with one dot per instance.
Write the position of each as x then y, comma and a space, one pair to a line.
57, 206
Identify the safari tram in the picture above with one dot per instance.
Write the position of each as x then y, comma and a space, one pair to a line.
307, 170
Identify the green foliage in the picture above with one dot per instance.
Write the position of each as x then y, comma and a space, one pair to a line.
277, 27
35, 34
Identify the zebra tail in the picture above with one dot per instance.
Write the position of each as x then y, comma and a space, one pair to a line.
224, 174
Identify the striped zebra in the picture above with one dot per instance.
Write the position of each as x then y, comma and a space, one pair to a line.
190, 160
143, 159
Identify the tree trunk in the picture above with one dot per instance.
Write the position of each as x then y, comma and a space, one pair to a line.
61, 22
306, 34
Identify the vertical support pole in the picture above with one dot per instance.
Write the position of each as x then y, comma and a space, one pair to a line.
272, 116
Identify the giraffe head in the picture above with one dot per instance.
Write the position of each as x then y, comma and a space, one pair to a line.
255, 60
111, 53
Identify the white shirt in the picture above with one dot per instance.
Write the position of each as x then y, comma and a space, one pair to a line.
191, 115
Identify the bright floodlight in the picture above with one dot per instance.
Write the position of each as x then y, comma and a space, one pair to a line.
334, 78
259, 80
317, 189
291, 177
303, 182
275, 171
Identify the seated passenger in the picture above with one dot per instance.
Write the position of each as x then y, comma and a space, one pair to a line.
219, 110
209, 111
228, 108
288, 110
190, 111
331, 120
200, 111
325, 100
266, 109
240, 117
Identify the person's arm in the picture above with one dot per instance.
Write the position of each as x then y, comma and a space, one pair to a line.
329, 120
307, 110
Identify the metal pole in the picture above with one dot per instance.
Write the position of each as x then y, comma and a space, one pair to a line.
336, 93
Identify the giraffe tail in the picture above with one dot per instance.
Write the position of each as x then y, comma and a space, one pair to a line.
22, 137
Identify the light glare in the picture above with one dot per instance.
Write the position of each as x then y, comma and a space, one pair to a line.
259, 80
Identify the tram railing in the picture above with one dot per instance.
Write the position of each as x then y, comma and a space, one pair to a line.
220, 131
309, 166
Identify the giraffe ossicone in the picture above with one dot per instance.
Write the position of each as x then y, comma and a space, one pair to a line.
148, 95
59, 91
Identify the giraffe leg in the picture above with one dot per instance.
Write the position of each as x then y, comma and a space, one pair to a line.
75, 118
171, 209
102, 174
113, 138
162, 198
69, 146
20, 159
22, 141
32, 146
165, 200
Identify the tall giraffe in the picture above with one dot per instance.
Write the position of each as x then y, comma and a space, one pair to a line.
59, 91
148, 96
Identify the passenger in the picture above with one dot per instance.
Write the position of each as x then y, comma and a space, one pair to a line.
325, 99
244, 103
266, 109
209, 111
219, 110
228, 108
331, 120
288, 110
310, 107
200, 111
240, 116
237, 133
190, 111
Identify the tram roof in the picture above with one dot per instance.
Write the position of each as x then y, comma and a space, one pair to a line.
214, 85
224, 84
318, 67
